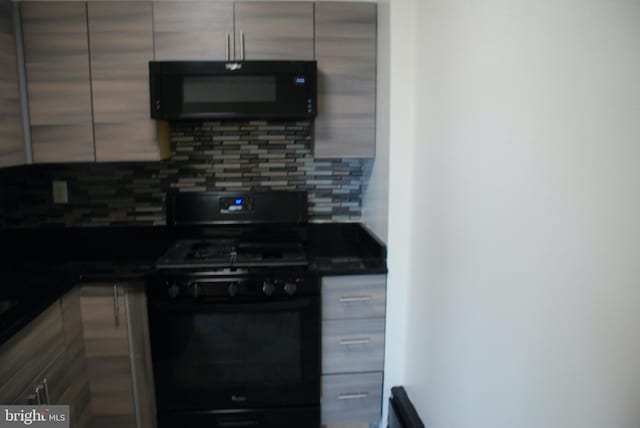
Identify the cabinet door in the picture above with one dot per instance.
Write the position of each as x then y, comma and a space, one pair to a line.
274, 30
107, 350
76, 393
190, 30
58, 83
345, 36
11, 138
121, 46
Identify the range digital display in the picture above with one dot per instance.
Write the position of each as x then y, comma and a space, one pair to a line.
235, 205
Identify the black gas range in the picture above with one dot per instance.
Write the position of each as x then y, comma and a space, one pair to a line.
234, 314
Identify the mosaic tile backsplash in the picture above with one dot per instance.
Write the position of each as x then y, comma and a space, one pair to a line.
206, 156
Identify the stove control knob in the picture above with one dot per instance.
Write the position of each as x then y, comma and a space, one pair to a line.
233, 289
290, 288
173, 290
268, 288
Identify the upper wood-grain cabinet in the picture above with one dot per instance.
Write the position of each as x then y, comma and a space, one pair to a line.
12, 151
121, 46
274, 30
59, 88
217, 31
192, 30
345, 44
88, 81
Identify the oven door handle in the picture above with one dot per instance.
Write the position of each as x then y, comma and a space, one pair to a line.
237, 423
230, 306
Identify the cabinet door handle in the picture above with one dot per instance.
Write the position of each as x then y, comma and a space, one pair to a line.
228, 46
45, 385
355, 341
354, 299
242, 45
352, 395
116, 305
38, 390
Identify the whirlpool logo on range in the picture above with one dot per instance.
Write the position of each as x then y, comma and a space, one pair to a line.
34, 416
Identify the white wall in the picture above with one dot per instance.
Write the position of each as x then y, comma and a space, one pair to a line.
375, 201
524, 303
400, 108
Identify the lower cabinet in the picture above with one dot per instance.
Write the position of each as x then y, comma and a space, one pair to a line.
116, 347
90, 350
28, 357
77, 392
44, 362
353, 320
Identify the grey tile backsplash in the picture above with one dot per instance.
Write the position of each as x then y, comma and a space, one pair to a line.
206, 156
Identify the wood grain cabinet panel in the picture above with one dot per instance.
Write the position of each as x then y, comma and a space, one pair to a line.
28, 354
351, 398
274, 30
49, 350
352, 345
358, 296
12, 150
121, 46
107, 350
192, 30
345, 45
353, 336
77, 392
59, 89
116, 341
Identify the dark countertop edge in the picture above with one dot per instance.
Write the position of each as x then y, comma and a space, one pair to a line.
339, 271
28, 311
31, 309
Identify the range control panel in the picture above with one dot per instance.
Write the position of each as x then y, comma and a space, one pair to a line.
236, 204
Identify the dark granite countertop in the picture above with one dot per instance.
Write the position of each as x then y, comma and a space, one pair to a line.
40, 265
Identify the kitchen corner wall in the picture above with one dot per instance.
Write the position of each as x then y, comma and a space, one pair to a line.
206, 156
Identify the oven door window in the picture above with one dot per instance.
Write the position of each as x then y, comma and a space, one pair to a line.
235, 354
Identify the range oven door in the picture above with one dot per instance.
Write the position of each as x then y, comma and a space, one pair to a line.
228, 354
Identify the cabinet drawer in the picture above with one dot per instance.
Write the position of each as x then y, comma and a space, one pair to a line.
351, 398
30, 352
352, 345
361, 296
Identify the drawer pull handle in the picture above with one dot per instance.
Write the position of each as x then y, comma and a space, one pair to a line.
354, 299
352, 395
38, 393
356, 341
45, 385
116, 305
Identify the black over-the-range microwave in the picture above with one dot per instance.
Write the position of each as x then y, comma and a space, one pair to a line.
232, 90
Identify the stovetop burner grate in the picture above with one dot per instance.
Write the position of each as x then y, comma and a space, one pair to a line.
219, 254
